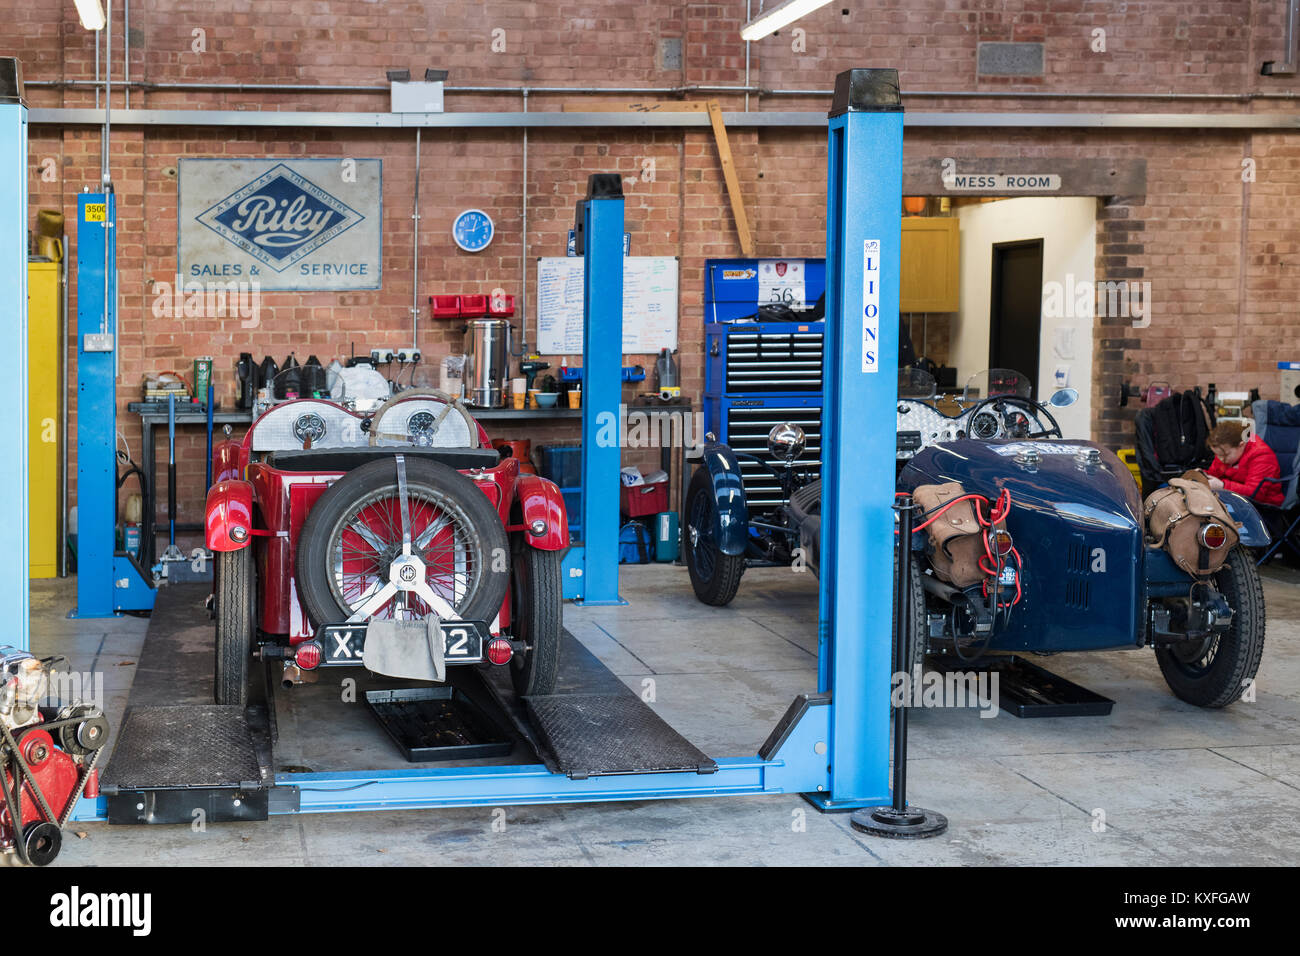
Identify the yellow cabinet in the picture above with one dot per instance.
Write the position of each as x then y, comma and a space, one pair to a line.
43, 418
930, 276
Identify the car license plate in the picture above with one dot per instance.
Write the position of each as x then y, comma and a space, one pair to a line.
1008, 577
462, 642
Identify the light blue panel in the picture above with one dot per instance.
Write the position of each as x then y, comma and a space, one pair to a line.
864, 197
572, 570
13, 373
602, 387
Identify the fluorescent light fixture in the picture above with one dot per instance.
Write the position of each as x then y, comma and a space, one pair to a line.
774, 19
91, 13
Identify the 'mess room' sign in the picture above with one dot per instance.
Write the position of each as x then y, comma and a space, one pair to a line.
288, 224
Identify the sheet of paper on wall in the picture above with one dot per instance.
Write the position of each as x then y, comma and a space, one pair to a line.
1063, 341
781, 280
649, 305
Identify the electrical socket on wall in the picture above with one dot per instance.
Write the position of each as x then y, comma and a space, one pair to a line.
408, 355
381, 356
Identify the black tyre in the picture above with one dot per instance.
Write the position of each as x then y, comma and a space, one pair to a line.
715, 576
916, 604
354, 532
536, 607
1216, 671
235, 609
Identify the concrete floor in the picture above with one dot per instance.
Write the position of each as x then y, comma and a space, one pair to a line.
1176, 785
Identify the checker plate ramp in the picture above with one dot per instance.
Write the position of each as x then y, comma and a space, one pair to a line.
601, 734
189, 745
182, 764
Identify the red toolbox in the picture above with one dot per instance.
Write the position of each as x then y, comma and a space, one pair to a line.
640, 500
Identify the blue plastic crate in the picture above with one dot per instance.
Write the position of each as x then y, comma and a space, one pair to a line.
562, 464
573, 511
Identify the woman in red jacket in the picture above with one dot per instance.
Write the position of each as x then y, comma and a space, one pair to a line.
1241, 466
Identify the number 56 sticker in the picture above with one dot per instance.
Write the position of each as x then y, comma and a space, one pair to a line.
871, 305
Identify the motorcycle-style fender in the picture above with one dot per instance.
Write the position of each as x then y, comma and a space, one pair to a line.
731, 530
541, 499
229, 509
1252, 530
225, 460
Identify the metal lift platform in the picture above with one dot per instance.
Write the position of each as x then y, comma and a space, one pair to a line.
178, 754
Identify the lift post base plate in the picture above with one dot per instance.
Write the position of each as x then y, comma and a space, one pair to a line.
912, 823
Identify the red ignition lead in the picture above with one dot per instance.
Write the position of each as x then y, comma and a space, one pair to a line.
997, 513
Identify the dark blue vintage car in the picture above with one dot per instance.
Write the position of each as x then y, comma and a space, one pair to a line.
1066, 561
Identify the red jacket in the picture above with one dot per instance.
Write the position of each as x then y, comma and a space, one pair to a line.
1257, 462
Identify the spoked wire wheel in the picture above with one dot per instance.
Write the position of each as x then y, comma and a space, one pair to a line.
1195, 659
354, 561
367, 539
1215, 671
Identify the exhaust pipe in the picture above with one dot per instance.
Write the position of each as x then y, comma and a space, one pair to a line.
939, 589
292, 675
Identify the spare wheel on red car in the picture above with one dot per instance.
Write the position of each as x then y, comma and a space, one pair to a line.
353, 536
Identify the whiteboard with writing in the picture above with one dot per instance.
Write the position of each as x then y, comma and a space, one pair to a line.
649, 304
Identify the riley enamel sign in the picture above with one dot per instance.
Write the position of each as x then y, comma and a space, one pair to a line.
286, 224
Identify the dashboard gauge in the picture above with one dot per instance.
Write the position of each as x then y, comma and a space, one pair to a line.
985, 426
309, 428
420, 424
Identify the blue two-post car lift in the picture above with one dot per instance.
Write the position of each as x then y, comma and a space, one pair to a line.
833, 744
108, 581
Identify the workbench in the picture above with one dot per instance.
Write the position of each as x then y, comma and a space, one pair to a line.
152, 415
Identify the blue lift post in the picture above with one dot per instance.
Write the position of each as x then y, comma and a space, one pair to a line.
599, 240
860, 391
13, 357
832, 746
108, 582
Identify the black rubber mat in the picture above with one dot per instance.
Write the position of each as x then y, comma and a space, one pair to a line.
175, 665
189, 745
602, 734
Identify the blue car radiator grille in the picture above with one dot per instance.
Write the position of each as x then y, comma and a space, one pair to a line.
1078, 590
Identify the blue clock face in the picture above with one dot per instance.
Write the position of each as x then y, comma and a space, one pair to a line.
472, 230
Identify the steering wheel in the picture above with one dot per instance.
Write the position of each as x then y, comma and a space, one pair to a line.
1030, 411
425, 437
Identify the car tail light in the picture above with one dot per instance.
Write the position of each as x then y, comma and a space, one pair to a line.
499, 651
1002, 543
308, 656
1214, 536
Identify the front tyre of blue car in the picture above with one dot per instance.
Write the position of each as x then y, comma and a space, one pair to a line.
1217, 671
715, 575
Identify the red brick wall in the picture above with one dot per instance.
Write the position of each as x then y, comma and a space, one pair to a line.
1220, 253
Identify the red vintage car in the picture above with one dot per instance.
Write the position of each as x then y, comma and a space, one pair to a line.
399, 541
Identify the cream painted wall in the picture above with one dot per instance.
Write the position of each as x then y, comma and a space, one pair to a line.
1068, 229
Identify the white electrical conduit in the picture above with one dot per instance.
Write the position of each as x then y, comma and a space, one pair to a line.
415, 256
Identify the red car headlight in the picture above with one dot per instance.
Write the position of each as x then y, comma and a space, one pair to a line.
499, 651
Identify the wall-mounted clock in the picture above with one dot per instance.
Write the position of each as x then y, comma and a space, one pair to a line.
473, 230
